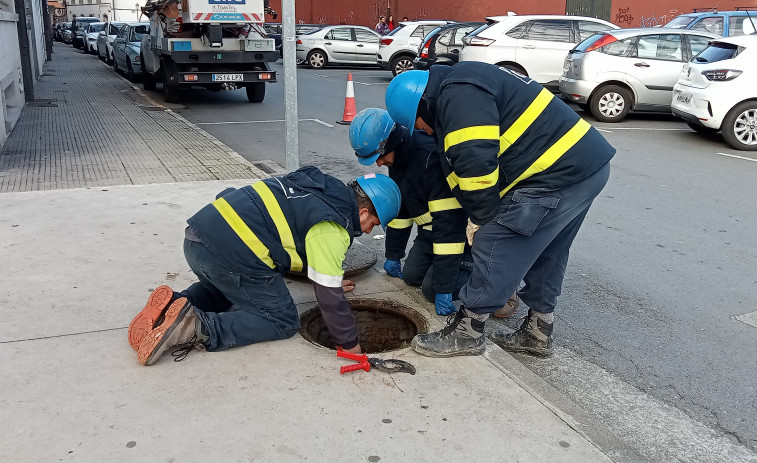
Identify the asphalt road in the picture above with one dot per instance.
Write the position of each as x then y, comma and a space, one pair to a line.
658, 320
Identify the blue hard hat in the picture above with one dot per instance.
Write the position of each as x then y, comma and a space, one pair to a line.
403, 95
384, 194
368, 134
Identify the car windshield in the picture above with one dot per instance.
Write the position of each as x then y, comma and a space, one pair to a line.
136, 33
680, 22
95, 28
114, 28
718, 51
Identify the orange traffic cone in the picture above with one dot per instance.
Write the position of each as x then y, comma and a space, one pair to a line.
349, 103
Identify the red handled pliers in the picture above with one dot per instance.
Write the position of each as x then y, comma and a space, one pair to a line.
365, 363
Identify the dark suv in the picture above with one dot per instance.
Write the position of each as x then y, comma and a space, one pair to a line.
443, 44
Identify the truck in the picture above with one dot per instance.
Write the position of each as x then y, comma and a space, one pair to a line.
216, 44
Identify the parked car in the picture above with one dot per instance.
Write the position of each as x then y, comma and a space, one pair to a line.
399, 48
126, 48
443, 44
58, 30
618, 71
105, 41
338, 45
533, 45
275, 30
65, 33
79, 29
716, 91
90, 43
722, 23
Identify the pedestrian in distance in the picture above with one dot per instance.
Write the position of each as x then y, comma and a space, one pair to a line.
390, 23
439, 261
242, 244
526, 168
381, 27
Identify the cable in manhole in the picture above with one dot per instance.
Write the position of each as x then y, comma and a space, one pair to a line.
383, 325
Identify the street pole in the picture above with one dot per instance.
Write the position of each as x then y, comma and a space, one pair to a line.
291, 114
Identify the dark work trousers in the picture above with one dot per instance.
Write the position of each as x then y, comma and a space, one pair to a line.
529, 239
418, 269
238, 308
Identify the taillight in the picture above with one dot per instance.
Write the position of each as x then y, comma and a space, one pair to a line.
722, 74
424, 52
601, 42
298, 42
386, 41
477, 41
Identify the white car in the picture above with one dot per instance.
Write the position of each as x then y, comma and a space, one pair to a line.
338, 45
90, 37
105, 41
399, 48
533, 45
717, 91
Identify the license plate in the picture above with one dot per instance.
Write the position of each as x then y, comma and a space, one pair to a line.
228, 77
259, 45
684, 97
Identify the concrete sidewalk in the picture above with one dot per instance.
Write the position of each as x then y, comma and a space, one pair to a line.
78, 264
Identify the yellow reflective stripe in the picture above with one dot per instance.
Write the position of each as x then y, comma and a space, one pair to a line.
476, 132
428, 227
479, 183
423, 219
401, 223
285, 233
452, 181
443, 249
243, 231
445, 204
554, 153
525, 120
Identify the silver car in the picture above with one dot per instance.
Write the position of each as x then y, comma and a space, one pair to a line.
614, 72
90, 37
126, 48
105, 41
338, 45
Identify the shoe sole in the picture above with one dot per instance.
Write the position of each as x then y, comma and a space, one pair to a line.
523, 350
144, 322
153, 341
429, 353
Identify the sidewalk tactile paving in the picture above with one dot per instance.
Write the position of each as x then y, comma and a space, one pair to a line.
88, 127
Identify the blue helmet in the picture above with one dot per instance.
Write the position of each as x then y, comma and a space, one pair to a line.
368, 134
384, 194
403, 95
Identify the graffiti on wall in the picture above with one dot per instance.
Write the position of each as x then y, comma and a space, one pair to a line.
656, 21
624, 16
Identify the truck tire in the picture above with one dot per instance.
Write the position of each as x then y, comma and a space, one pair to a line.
148, 80
170, 91
255, 92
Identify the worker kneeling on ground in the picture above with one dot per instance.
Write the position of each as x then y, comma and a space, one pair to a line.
439, 260
242, 244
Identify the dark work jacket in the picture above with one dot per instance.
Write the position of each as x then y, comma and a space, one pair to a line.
418, 173
304, 198
493, 124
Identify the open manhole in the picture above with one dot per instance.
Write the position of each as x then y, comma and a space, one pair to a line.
358, 259
383, 325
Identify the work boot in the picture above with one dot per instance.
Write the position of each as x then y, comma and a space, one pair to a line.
463, 335
149, 317
180, 328
510, 308
534, 337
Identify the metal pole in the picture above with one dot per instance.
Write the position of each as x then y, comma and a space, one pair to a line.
291, 113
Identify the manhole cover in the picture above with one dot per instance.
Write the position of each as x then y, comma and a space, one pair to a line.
383, 325
358, 259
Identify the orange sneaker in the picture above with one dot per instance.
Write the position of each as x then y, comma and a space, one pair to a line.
178, 329
145, 320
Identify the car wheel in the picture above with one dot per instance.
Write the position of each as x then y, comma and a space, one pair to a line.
611, 103
255, 92
701, 129
740, 126
130, 72
102, 58
109, 58
115, 66
401, 64
317, 59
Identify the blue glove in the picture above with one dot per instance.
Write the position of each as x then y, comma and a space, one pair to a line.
393, 268
444, 305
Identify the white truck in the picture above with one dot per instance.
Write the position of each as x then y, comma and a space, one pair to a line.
217, 44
